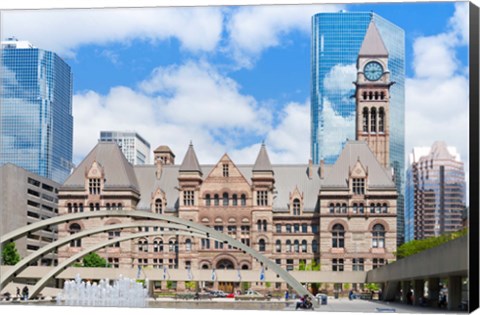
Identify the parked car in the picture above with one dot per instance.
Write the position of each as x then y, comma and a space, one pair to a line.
321, 298
218, 293
231, 295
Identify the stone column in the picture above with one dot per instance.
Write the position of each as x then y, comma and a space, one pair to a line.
433, 291
405, 289
181, 286
418, 288
454, 292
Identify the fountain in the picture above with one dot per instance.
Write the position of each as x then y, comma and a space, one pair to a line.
123, 293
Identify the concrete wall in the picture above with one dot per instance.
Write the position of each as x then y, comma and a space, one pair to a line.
448, 259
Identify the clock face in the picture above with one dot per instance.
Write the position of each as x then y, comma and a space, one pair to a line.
373, 71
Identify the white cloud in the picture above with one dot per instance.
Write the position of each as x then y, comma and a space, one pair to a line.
252, 29
63, 31
437, 97
192, 102
340, 78
332, 141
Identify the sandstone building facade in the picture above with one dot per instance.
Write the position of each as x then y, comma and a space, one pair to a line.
341, 216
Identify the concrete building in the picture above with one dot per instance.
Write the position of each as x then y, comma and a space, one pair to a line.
26, 198
36, 122
435, 192
342, 215
336, 41
135, 148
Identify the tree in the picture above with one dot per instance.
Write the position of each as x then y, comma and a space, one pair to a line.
94, 260
416, 246
10, 255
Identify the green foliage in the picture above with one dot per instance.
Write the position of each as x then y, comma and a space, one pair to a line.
416, 246
268, 284
372, 286
10, 254
190, 285
346, 286
245, 286
94, 260
169, 284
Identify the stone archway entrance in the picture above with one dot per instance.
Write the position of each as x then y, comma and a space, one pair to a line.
227, 287
225, 264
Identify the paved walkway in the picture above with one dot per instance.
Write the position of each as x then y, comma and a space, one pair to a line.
363, 306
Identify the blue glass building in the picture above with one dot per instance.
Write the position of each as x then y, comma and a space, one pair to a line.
36, 122
336, 41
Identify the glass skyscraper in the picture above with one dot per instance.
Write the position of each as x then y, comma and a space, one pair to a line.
435, 192
36, 123
336, 41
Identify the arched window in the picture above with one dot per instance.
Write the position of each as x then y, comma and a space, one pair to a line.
332, 208
365, 120
372, 208
304, 246
207, 200
338, 236
314, 246
261, 245
378, 208
296, 246
205, 266
188, 245
288, 245
244, 267
171, 246
381, 120
344, 208
373, 120
158, 206
370, 95
360, 208
264, 225
91, 207
156, 245
355, 208
75, 228
243, 200
382, 95
384, 208
69, 206
216, 201
337, 208
376, 95
80, 207
108, 206
75, 208
278, 246
234, 200
259, 225
225, 199
364, 95
296, 207
378, 236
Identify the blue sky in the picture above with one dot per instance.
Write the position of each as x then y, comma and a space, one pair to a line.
228, 78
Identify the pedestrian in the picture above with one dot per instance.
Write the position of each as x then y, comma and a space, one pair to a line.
409, 297
18, 292
25, 293
286, 295
350, 295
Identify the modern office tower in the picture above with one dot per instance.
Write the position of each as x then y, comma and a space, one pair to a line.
336, 42
26, 198
36, 122
135, 148
435, 192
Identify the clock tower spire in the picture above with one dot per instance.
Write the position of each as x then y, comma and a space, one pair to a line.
373, 95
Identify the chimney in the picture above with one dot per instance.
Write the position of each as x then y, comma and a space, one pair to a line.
321, 169
310, 169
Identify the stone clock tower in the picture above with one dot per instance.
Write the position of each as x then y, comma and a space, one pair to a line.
373, 95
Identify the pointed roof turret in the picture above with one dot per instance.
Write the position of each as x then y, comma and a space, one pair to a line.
190, 161
262, 164
373, 44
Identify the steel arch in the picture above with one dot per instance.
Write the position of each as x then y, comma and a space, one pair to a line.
21, 265
210, 233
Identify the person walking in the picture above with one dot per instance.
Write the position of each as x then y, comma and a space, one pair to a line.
25, 293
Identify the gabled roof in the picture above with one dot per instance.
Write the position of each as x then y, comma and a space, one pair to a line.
118, 171
263, 162
190, 161
373, 44
338, 174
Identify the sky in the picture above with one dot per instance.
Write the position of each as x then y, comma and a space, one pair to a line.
229, 78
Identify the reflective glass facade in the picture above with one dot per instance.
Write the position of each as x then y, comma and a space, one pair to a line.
336, 41
36, 112
435, 193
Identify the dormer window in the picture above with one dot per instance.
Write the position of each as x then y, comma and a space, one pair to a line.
188, 197
225, 170
94, 186
358, 186
262, 198
296, 207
